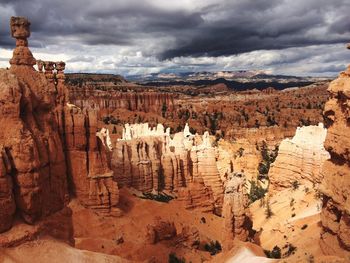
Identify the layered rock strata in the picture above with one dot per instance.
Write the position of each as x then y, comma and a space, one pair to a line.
335, 216
90, 97
33, 168
43, 140
150, 160
299, 159
88, 162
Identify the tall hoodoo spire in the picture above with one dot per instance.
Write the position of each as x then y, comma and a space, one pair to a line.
20, 30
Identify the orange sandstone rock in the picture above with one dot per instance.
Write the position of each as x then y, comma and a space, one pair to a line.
335, 238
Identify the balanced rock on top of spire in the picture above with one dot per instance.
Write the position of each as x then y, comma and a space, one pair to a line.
20, 30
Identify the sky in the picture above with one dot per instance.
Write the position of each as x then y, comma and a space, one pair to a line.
128, 37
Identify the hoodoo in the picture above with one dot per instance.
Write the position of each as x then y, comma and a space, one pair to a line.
189, 168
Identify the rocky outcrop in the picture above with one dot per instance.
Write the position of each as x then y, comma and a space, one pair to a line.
22, 56
33, 169
189, 237
43, 139
196, 196
299, 159
335, 216
7, 199
88, 162
237, 222
150, 160
160, 230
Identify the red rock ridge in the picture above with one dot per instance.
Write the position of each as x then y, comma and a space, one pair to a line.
335, 215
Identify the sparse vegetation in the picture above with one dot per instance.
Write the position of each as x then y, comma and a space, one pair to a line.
274, 253
268, 211
174, 259
295, 185
256, 191
213, 247
110, 120
161, 197
240, 152
304, 227
268, 157
291, 203
290, 250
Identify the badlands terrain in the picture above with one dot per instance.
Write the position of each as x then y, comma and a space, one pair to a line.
96, 168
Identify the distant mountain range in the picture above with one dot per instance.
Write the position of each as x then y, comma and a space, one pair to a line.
237, 80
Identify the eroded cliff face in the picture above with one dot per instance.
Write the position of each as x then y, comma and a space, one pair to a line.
88, 164
237, 222
335, 186
43, 138
107, 101
33, 168
300, 159
150, 160
187, 167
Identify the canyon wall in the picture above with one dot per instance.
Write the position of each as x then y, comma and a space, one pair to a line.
88, 164
33, 170
300, 159
335, 216
150, 160
90, 97
43, 139
186, 166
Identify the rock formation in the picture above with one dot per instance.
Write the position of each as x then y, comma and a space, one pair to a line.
43, 140
20, 30
150, 160
299, 159
189, 237
160, 230
33, 163
88, 162
335, 216
237, 223
90, 97
196, 196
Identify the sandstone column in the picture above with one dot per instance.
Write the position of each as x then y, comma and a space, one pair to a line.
20, 29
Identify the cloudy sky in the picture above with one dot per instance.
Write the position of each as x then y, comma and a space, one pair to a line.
295, 37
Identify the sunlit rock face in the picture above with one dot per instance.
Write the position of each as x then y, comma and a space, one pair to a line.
149, 159
33, 178
237, 221
299, 159
335, 185
47, 143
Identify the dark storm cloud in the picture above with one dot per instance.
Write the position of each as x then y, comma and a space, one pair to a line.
246, 28
94, 24
229, 27
167, 29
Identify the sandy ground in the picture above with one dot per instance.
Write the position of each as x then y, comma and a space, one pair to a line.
53, 251
295, 220
100, 234
247, 256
